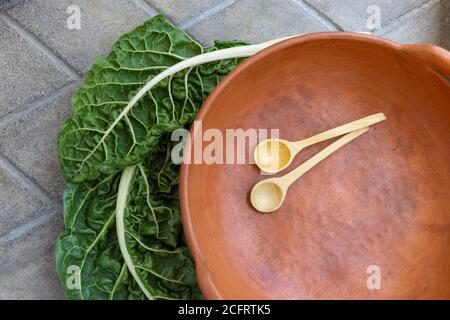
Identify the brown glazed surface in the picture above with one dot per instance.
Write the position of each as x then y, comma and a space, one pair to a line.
382, 200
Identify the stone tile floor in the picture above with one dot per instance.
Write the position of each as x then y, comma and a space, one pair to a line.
42, 63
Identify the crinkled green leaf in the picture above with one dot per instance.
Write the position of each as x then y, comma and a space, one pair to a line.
152, 222
88, 258
135, 59
152, 233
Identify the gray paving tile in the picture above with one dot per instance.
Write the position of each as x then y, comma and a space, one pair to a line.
24, 73
102, 22
27, 265
27, 268
18, 204
430, 25
30, 141
256, 21
180, 11
3, 3
352, 15
7, 3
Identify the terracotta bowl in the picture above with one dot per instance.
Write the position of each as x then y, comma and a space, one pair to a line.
378, 209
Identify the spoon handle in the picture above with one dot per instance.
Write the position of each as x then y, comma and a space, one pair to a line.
289, 178
339, 131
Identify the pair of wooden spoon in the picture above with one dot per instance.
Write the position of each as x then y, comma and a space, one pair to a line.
274, 155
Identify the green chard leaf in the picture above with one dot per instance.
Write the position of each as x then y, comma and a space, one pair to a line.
149, 231
152, 229
88, 257
136, 58
122, 234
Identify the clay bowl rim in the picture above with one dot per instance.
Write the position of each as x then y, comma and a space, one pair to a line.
440, 65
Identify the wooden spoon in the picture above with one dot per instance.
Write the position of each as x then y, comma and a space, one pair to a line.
274, 155
268, 195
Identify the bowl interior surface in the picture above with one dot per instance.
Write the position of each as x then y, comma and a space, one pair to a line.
380, 204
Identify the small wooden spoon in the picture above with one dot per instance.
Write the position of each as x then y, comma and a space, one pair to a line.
274, 155
268, 195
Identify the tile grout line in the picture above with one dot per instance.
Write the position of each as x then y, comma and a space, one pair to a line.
393, 23
29, 226
150, 9
53, 207
11, 5
4, 120
57, 61
323, 19
209, 12
146, 7
25, 182
14, 172
18, 175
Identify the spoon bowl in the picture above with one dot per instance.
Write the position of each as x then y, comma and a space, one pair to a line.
267, 195
274, 155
